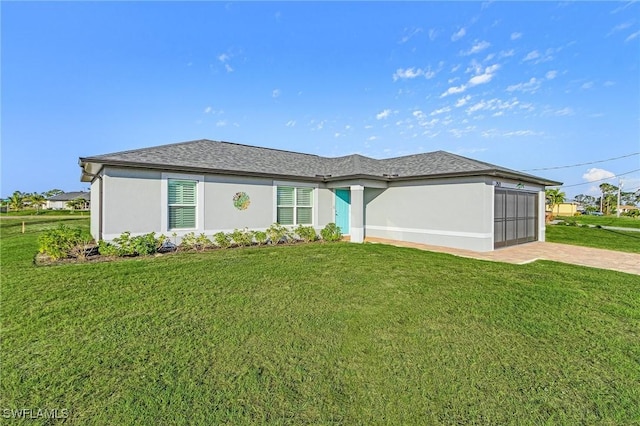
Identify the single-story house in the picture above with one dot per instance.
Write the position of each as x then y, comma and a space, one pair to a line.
564, 209
59, 201
627, 208
206, 187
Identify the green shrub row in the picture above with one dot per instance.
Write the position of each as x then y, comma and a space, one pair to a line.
275, 234
126, 245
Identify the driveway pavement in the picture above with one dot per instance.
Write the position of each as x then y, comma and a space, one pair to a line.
525, 253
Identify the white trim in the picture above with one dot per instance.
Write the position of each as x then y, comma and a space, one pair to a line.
430, 231
164, 203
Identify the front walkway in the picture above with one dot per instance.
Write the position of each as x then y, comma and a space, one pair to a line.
525, 253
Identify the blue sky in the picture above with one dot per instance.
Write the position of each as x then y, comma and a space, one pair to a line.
525, 85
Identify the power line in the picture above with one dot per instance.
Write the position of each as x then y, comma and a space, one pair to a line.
600, 180
582, 164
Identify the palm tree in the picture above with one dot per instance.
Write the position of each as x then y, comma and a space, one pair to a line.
16, 201
36, 200
554, 197
77, 203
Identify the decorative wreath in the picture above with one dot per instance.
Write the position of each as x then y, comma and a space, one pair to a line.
241, 201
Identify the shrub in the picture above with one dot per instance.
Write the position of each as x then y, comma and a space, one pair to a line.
242, 237
222, 240
278, 233
192, 242
107, 249
260, 236
331, 232
306, 233
62, 242
141, 245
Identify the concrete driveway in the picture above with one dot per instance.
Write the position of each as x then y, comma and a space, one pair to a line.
525, 253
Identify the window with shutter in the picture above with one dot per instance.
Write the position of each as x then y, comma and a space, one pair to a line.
182, 203
294, 205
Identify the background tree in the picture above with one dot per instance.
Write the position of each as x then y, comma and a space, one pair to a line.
609, 197
589, 202
52, 192
554, 197
36, 200
16, 201
77, 204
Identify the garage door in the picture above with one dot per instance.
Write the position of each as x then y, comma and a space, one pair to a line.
515, 218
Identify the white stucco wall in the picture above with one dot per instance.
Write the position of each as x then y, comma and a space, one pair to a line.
452, 212
136, 201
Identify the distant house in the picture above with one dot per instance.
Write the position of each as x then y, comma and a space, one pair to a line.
627, 209
60, 201
207, 187
564, 209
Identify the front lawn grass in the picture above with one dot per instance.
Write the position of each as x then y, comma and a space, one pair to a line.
622, 221
317, 334
609, 239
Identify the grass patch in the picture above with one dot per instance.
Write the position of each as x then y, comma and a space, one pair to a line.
317, 334
623, 221
32, 212
609, 239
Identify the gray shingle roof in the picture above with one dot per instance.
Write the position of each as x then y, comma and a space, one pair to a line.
68, 196
225, 157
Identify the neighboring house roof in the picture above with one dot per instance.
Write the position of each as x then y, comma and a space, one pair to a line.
231, 158
68, 196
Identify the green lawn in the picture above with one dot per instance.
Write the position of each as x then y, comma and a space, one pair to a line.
622, 221
609, 239
317, 334
42, 212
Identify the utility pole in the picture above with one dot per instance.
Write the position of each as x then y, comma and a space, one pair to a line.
619, 189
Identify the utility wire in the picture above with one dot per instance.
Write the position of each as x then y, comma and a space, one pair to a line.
600, 180
582, 164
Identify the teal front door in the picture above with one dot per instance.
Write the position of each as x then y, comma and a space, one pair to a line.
343, 202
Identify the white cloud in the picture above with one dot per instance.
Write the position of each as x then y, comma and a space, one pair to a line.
494, 104
550, 75
530, 86
221, 123
409, 33
223, 57
275, 93
486, 77
337, 134
456, 68
587, 85
418, 114
453, 90
515, 36
463, 101
632, 36
208, 109
564, 111
532, 55
507, 53
595, 174
479, 46
441, 111
480, 79
291, 123
619, 27
228, 68
383, 115
609, 83
458, 35
372, 138
433, 33
409, 73
521, 133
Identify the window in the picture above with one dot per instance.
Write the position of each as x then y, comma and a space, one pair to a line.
182, 203
294, 205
